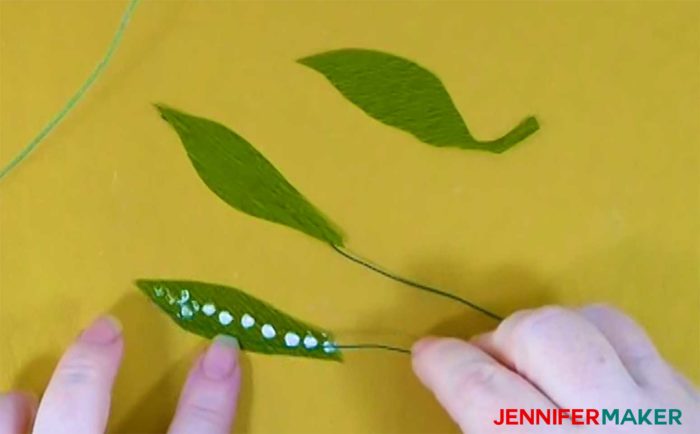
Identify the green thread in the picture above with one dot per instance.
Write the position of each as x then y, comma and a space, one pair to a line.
70, 105
369, 265
373, 347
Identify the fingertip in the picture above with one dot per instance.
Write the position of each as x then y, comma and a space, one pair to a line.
431, 355
28, 399
17, 410
485, 342
598, 308
417, 355
429, 346
221, 358
208, 400
227, 341
31, 401
18, 399
423, 344
105, 330
421, 352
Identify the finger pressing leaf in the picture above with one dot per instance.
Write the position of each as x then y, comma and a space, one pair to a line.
240, 175
403, 94
209, 310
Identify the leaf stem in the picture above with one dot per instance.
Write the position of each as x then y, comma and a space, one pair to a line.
517, 134
367, 264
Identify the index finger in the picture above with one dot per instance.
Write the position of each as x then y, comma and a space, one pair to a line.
564, 355
78, 397
473, 387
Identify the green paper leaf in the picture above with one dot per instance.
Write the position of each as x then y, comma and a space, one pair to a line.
209, 310
240, 175
403, 94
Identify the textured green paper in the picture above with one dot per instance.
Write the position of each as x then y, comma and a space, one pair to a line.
190, 305
241, 176
403, 94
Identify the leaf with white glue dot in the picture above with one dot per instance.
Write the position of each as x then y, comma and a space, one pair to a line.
209, 310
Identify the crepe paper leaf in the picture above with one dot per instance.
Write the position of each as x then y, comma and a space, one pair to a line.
209, 310
240, 175
403, 94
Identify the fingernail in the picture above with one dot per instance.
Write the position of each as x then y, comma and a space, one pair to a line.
422, 344
104, 331
221, 357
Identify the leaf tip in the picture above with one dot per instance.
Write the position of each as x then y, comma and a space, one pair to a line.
307, 61
172, 116
163, 109
142, 284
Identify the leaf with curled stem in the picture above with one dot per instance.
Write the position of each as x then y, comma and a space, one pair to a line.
402, 94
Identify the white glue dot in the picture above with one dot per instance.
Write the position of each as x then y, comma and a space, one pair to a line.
186, 312
310, 342
268, 331
158, 291
291, 339
184, 296
170, 298
329, 347
225, 317
247, 321
208, 309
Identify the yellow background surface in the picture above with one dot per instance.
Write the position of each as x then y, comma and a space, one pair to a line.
602, 204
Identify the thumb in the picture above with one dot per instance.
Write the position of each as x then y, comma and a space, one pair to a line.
472, 386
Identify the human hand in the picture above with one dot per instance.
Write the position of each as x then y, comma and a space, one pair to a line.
549, 358
78, 396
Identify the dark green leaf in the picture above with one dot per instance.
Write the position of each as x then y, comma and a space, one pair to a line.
241, 176
403, 94
209, 310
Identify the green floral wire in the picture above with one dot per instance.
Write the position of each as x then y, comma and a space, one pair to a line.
372, 347
27, 150
369, 265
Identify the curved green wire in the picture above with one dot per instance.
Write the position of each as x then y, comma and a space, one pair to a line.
24, 153
369, 265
